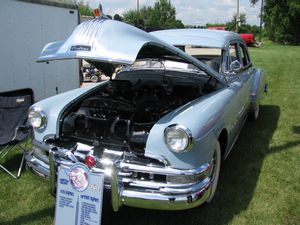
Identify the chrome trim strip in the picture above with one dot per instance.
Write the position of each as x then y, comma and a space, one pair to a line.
170, 189
163, 170
164, 202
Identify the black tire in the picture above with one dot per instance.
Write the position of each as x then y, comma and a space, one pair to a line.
216, 171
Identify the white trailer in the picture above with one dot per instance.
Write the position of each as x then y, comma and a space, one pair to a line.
26, 26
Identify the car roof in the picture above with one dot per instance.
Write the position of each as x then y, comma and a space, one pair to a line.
197, 37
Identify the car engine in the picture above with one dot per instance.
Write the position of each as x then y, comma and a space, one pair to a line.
123, 111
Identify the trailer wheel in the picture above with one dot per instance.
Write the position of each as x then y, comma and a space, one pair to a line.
94, 78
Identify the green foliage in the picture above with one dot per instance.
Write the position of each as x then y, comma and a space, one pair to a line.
253, 2
118, 17
215, 25
282, 20
84, 9
135, 18
243, 26
162, 15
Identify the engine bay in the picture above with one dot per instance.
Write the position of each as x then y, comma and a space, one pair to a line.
123, 111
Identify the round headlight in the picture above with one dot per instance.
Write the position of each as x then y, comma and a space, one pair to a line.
178, 138
37, 118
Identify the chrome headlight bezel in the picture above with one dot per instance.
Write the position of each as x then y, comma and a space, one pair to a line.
181, 131
37, 118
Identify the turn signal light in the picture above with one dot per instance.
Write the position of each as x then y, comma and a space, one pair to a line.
97, 12
90, 161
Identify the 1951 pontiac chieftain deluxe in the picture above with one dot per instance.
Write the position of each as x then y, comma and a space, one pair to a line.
160, 126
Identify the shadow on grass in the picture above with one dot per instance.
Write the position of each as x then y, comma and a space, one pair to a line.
296, 129
237, 183
25, 219
12, 162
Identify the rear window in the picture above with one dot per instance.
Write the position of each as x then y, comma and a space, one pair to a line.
197, 51
212, 57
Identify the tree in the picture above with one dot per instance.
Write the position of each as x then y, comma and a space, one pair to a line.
135, 18
242, 23
244, 27
84, 9
282, 20
118, 17
253, 2
162, 15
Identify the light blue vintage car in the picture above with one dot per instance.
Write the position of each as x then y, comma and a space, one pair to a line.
159, 128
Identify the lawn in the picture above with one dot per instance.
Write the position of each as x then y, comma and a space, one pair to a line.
259, 183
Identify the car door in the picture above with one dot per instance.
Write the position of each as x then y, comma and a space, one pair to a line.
236, 77
245, 79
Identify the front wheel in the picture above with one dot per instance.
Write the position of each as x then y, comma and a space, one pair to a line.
216, 165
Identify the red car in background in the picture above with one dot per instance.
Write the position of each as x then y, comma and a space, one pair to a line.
247, 37
217, 28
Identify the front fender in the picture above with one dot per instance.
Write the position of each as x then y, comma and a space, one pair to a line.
205, 118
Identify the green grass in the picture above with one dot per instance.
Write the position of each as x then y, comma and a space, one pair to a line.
260, 181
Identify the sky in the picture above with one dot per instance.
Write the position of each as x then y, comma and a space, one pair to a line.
190, 12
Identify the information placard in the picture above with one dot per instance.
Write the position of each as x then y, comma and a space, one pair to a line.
79, 196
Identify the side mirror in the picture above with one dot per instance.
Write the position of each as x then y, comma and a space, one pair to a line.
235, 66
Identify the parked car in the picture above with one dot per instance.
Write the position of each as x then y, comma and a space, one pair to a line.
249, 39
159, 130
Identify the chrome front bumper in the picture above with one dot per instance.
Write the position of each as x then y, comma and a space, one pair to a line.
150, 186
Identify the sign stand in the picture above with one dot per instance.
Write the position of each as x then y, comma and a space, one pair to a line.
79, 196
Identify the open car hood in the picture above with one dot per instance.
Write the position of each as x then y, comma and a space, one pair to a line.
102, 40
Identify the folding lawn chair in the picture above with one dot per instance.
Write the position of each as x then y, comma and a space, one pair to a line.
13, 130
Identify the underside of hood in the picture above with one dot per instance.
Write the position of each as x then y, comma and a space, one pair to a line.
107, 42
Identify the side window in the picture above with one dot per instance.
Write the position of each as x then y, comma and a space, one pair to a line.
232, 55
244, 55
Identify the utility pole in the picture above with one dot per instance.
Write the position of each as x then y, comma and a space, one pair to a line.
261, 19
237, 16
138, 12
